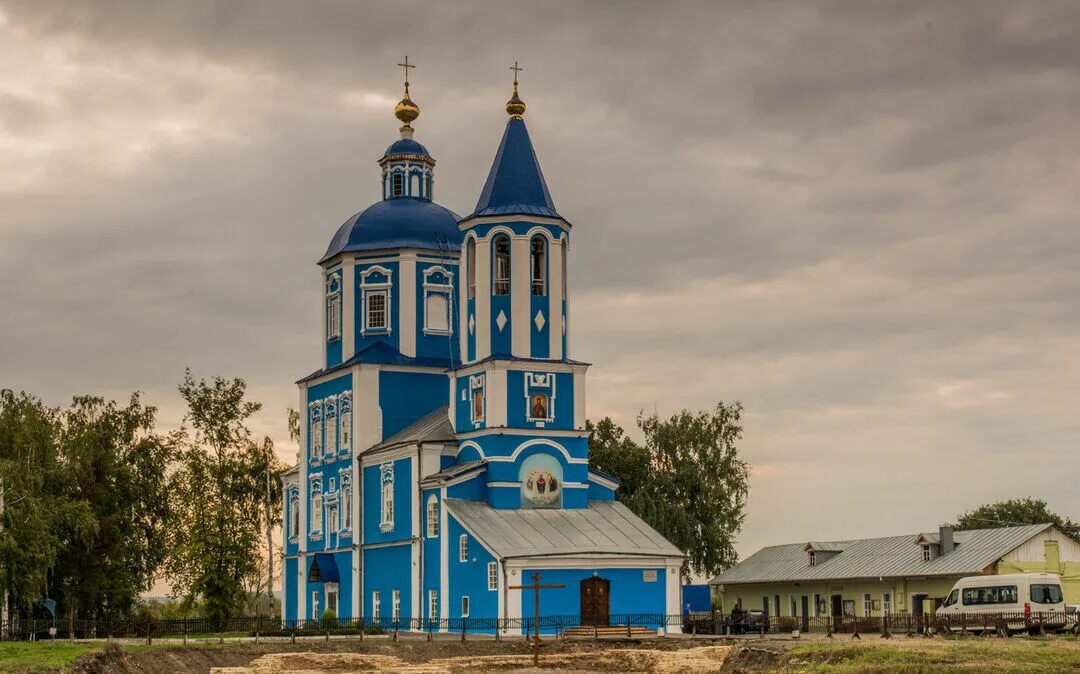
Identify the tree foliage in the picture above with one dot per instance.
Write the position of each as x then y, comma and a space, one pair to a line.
1012, 512
114, 467
687, 480
220, 495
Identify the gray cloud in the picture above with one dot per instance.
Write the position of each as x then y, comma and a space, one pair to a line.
858, 218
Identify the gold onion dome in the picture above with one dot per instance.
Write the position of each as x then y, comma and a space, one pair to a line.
515, 107
406, 110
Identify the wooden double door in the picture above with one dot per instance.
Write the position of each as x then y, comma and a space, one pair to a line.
596, 601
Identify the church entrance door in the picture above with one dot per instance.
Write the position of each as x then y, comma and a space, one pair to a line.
595, 601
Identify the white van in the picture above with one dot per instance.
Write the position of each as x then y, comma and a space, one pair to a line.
1020, 598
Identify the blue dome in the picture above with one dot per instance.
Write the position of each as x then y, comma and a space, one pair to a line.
406, 146
398, 223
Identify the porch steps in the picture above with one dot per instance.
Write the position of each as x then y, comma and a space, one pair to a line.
608, 632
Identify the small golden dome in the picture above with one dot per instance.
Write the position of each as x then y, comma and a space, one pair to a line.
515, 107
406, 110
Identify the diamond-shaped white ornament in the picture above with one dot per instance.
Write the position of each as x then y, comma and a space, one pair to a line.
539, 320
472, 324
500, 321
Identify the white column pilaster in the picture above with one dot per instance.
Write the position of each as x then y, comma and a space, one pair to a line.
520, 295
407, 305
483, 299
348, 308
555, 297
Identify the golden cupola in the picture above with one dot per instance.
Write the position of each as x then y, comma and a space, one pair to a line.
515, 107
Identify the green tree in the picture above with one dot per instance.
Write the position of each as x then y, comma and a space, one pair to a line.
1013, 512
114, 467
220, 492
687, 481
36, 518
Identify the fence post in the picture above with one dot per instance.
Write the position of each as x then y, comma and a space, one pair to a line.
464, 627
397, 626
885, 633
855, 628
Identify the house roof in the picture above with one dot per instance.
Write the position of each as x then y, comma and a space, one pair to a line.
434, 427
454, 471
605, 527
891, 557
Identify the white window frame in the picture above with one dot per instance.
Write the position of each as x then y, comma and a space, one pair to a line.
867, 604
433, 604
464, 606
477, 384
332, 512
333, 308
376, 605
492, 576
432, 516
886, 603
463, 548
294, 514
813, 558
386, 497
537, 382
330, 417
445, 289
315, 605
315, 416
927, 553
345, 422
332, 590
317, 504
498, 282
384, 288
397, 184
346, 500
395, 605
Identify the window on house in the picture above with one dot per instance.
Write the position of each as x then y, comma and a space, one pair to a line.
376, 310
465, 606
867, 604
926, 554
427, 192
463, 548
397, 182
332, 515
886, 603
395, 606
493, 576
437, 312
388, 504
331, 436
316, 439
502, 265
539, 266
333, 315
818, 602
314, 604
433, 604
316, 512
813, 558
563, 247
376, 605
346, 504
346, 430
470, 252
294, 516
432, 516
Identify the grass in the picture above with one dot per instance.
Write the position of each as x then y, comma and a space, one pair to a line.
41, 656
938, 655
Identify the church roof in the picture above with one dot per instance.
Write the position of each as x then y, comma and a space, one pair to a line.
605, 527
434, 427
379, 353
515, 184
398, 223
407, 147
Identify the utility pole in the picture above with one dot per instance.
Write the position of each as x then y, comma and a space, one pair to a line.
536, 587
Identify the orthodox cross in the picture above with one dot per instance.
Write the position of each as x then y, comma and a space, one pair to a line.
405, 66
536, 587
516, 71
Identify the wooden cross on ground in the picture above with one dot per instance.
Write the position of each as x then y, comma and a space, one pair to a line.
536, 587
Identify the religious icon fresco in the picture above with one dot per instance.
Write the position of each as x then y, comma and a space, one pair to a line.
539, 406
541, 482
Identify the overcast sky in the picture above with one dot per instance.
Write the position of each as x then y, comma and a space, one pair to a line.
859, 219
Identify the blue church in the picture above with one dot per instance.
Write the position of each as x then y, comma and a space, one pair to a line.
444, 457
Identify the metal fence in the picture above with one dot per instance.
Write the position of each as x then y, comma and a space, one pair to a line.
613, 626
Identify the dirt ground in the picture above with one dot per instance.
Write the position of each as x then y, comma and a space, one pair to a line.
656, 655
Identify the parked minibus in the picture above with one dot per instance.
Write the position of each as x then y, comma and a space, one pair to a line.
1024, 600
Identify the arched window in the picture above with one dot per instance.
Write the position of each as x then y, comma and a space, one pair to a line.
398, 183
294, 515
470, 261
346, 504
539, 266
388, 504
316, 512
427, 192
432, 516
502, 264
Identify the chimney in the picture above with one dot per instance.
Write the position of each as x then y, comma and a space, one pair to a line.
945, 538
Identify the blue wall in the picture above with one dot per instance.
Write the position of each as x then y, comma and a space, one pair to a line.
329, 466
432, 567
372, 507
407, 396
393, 336
437, 346
384, 570
289, 600
469, 578
517, 403
629, 593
